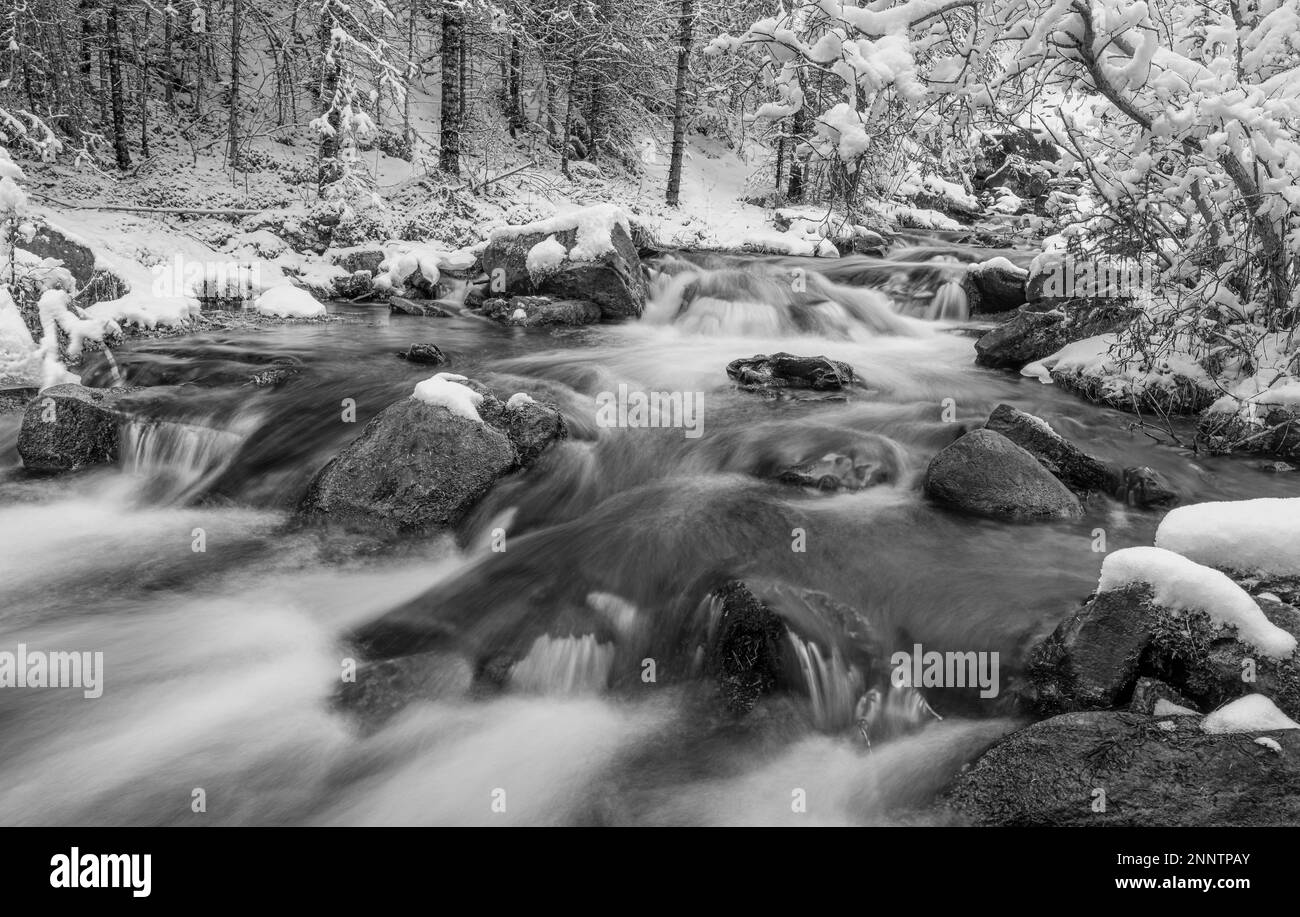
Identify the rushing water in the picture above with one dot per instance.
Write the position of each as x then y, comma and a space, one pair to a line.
221, 664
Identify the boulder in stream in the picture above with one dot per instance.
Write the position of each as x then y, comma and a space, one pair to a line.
1071, 465
541, 310
422, 462
69, 426
1154, 771
994, 286
986, 474
785, 370
745, 654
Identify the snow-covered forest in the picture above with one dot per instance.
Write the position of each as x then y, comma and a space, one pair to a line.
591, 372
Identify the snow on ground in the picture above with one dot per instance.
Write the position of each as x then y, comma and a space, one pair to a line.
445, 390
1248, 536
1182, 585
1252, 713
288, 301
1118, 376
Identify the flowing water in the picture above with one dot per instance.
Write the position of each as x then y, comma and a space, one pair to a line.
221, 665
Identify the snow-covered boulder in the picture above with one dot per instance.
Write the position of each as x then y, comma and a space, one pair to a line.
986, 474
288, 301
69, 426
95, 282
586, 254
422, 462
1160, 615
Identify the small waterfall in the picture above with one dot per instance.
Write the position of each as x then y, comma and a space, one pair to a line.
564, 665
833, 687
177, 460
893, 712
949, 303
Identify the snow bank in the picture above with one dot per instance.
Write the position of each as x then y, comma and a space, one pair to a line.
1120, 378
20, 358
445, 390
1252, 713
288, 301
1250, 536
954, 194
594, 227
1182, 585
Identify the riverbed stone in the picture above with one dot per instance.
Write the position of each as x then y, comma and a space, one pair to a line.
1079, 471
1154, 771
986, 474
70, 426
786, 370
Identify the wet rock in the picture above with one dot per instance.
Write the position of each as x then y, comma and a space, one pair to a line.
837, 471
1072, 466
986, 474
1143, 487
403, 306
1095, 657
357, 285
996, 286
613, 281
417, 467
424, 354
1033, 335
16, 398
384, 687
70, 426
367, 260
745, 655
1148, 692
784, 370
1155, 772
541, 310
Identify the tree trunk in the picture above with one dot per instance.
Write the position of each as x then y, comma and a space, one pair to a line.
449, 105
233, 138
328, 168
800, 129
680, 99
516, 105
120, 150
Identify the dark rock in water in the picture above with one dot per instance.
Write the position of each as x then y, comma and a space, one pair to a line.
1147, 692
356, 285
273, 376
613, 281
1094, 658
987, 474
745, 655
784, 370
1072, 466
1028, 337
70, 426
994, 288
836, 471
1143, 487
384, 687
1154, 772
541, 310
404, 306
424, 354
1091, 660
1033, 334
417, 467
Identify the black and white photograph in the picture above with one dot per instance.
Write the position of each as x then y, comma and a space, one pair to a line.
650, 413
